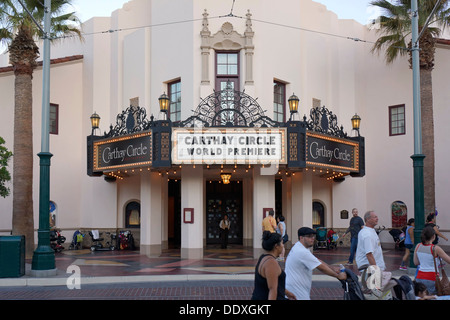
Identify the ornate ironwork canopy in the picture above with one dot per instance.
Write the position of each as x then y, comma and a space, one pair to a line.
226, 108
324, 121
132, 120
229, 108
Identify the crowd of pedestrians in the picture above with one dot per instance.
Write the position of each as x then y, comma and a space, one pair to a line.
295, 281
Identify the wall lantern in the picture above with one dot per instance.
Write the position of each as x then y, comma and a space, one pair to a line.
356, 122
164, 102
225, 177
95, 122
293, 103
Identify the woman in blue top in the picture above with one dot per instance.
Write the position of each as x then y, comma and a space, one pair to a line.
409, 243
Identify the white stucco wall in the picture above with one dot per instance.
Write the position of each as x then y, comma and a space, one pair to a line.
312, 55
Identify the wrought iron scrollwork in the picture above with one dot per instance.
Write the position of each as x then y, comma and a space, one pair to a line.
324, 121
132, 120
229, 108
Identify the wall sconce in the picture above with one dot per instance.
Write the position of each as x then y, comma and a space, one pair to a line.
356, 122
225, 177
164, 102
293, 103
95, 122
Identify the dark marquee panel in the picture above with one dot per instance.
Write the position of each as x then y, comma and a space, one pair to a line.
136, 141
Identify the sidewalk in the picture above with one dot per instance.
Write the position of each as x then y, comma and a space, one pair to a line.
226, 268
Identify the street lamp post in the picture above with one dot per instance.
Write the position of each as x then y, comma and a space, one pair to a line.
43, 262
417, 157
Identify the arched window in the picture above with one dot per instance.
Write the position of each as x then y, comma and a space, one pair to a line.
52, 214
133, 215
399, 214
318, 215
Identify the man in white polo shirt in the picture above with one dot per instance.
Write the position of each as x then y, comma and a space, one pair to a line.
301, 263
369, 250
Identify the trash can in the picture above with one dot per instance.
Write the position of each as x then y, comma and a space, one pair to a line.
12, 256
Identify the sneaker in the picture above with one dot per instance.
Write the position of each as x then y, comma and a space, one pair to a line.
403, 268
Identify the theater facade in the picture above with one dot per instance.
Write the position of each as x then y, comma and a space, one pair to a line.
171, 114
227, 158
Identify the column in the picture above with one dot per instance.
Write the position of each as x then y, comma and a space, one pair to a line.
165, 212
263, 197
151, 213
247, 211
192, 197
287, 207
301, 202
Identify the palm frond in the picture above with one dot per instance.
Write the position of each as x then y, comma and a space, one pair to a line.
63, 20
395, 24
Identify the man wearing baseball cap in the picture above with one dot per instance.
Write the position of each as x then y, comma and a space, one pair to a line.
300, 264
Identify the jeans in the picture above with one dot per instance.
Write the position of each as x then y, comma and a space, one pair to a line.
431, 287
353, 245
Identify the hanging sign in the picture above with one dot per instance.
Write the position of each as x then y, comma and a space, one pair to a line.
229, 145
331, 152
128, 151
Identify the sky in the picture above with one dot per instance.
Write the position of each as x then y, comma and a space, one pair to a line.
358, 10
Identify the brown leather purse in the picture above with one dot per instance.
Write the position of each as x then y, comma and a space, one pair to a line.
442, 285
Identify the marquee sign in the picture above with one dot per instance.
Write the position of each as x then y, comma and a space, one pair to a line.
331, 152
123, 152
229, 145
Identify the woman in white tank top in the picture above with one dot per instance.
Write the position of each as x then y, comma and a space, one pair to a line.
423, 257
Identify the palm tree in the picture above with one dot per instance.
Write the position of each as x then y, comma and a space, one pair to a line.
395, 27
20, 33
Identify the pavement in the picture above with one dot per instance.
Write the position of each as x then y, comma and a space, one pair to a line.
222, 274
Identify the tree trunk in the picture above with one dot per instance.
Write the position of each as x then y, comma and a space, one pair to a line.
23, 53
426, 97
23, 222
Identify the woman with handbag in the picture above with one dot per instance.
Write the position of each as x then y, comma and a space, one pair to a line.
425, 256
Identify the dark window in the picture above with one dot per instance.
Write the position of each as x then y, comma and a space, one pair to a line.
227, 64
133, 215
227, 73
54, 118
227, 69
397, 120
175, 100
279, 98
318, 215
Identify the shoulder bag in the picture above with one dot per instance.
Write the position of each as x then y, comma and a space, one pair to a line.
442, 285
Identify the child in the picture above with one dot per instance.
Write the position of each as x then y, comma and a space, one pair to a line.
421, 292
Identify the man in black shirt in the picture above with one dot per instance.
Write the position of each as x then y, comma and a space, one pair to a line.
356, 223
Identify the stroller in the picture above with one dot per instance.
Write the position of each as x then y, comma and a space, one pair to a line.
332, 239
126, 240
77, 241
396, 289
321, 238
399, 238
56, 240
352, 289
379, 285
